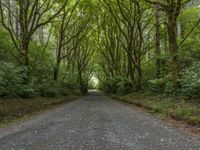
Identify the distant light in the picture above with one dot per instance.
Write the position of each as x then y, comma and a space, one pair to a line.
95, 80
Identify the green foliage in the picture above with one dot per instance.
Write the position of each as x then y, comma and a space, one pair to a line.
11, 79
6, 46
184, 112
191, 80
103, 48
157, 85
27, 91
49, 89
179, 109
12, 84
118, 85
124, 86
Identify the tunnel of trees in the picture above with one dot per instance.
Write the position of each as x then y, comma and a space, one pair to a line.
62, 47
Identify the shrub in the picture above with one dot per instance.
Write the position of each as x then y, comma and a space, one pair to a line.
11, 79
74, 92
191, 80
49, 88
27, 91
124, 86
157, 85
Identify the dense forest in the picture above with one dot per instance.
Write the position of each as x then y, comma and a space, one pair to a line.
54, 47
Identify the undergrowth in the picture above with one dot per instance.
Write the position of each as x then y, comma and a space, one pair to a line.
176, 108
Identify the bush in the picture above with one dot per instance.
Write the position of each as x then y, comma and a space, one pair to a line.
124, 87
191, 81
119, 85
49, 88
12, 84
157, 85
76, 92
11, 79
110, 85
27, 91
52, 92
55, 89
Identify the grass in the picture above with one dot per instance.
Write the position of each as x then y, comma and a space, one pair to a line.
12, 109
176, 108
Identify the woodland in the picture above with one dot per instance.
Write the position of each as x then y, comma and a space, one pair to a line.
53, 48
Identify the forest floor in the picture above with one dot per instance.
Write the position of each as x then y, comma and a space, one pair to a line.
14, 109
177, 110
95, 122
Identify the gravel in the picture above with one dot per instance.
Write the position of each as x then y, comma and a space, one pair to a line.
94, 123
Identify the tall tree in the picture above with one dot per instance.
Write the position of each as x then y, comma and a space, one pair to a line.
71, 31
172, 8
31, 16
129, 17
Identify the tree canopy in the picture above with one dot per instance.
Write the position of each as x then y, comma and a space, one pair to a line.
54, 47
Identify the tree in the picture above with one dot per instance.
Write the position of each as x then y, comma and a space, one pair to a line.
172, 8
71, 31
31, 16
129, 17
84, 55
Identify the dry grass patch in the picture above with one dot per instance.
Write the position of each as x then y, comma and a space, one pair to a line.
14, 108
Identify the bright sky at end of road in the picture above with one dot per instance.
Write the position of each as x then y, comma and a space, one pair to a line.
95, 80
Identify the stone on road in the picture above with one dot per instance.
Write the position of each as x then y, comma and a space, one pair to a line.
94, 123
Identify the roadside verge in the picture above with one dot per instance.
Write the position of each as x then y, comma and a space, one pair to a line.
167, 108
13, 109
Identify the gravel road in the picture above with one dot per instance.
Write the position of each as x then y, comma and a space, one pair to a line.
94, 123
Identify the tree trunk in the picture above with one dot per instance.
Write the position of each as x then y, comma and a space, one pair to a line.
82, 85
56, 69
131, 72
179, 30
158, 49
25, 52
173, 47
17, 26
139, 76
41, 35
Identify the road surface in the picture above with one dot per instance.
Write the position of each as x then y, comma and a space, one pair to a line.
94, 123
